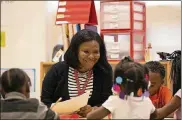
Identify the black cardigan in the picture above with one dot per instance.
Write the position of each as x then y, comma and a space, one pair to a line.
55, 85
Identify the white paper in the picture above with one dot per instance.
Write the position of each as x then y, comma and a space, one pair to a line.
72, 105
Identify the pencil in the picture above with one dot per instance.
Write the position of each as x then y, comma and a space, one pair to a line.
56, 102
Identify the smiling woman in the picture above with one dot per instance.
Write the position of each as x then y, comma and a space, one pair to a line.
88, 55
85, 69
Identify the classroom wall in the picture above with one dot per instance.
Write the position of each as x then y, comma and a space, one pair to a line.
54, 35
25, 25
164, 28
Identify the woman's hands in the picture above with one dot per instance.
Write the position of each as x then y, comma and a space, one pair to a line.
85, 110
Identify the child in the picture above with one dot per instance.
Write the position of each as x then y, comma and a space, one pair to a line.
173, 106
129, 101
16, 105
159, 94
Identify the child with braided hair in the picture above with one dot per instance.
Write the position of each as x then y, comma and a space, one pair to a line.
130, 99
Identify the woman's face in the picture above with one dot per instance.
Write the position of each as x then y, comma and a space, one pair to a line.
88, 55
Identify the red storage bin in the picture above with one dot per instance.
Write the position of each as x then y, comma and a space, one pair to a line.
119, 18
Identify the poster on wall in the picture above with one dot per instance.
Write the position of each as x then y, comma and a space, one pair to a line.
30, 72
3, 39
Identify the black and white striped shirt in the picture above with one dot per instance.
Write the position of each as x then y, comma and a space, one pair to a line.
72, 86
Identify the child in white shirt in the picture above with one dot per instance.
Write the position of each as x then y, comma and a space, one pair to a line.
131, 99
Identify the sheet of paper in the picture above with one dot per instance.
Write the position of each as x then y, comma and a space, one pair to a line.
72, 105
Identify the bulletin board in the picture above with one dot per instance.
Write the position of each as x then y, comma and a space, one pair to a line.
31, 73
3, 39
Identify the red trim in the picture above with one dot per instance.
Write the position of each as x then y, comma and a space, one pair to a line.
131, 27
144, 27
139, 3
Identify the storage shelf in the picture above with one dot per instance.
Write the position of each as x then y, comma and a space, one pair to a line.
136, 25
45, 66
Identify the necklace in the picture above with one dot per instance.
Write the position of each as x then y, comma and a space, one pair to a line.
81, 91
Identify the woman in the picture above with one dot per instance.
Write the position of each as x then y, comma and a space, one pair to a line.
85, 69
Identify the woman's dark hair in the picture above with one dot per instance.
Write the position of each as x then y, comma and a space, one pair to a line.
133, 71
56, 49
13, 80
85, 35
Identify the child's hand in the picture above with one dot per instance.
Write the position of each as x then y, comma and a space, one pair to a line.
84, 110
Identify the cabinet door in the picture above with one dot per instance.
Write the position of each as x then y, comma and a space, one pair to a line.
117, 45
139, 16
115, 15
139, 46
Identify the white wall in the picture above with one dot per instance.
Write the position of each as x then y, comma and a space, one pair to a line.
164, 28
25, 25
54, 35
